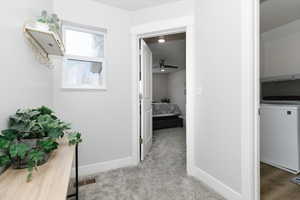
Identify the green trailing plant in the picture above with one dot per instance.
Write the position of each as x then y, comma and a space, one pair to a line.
31, 136
52, 20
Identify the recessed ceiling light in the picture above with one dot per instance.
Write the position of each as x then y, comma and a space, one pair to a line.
161, 39
162, 70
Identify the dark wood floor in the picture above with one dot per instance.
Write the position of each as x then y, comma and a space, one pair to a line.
276, 184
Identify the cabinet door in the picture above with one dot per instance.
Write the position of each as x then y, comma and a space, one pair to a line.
280, 56
279, 137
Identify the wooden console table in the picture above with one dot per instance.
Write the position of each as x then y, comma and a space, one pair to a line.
50, 182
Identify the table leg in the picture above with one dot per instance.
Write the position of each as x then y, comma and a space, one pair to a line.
76, 176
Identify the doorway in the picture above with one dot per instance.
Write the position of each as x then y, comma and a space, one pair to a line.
181, 25
162, 92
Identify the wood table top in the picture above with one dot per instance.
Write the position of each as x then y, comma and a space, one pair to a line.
50, 182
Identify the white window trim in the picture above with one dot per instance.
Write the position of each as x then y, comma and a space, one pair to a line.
92, 30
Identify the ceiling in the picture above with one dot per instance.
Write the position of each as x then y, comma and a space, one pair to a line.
275, 13
134, 4
172, 51
177, 36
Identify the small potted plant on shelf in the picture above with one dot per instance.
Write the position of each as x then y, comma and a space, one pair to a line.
30, 138
49, 22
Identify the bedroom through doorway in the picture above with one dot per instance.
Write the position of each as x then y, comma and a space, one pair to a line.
163, 101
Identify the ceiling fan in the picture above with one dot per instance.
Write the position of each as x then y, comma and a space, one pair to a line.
163, 66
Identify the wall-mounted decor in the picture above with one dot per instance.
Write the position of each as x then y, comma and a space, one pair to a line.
44, 36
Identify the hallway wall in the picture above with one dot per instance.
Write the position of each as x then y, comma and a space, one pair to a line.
103, 117
24, 82
218, 104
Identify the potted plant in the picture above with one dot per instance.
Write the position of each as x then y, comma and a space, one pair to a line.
48, 22
31, 136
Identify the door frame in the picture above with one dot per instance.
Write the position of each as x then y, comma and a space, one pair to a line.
250, 100
183, 24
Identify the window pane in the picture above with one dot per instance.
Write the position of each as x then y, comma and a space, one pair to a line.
83, 74
84, 44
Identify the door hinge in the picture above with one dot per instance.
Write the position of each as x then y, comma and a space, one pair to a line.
140, 96
141, 140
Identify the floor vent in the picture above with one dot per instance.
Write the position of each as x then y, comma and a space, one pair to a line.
86, 181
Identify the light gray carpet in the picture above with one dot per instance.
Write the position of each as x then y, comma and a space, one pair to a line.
162, 176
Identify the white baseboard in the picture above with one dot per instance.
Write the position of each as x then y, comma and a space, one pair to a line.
215, 184
104, 166
293, 171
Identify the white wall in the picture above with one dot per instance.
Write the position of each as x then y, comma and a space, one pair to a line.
160, 87
103, 117
218, 100
23, 81
280, 49
163, 12
176, 89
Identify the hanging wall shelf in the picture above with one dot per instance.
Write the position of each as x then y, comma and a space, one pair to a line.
47, 42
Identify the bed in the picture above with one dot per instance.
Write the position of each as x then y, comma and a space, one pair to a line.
166, 115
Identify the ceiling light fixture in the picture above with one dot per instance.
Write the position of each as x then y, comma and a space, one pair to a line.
162, 70
161, 39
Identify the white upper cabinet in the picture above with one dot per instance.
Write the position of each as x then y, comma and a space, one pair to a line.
280, 52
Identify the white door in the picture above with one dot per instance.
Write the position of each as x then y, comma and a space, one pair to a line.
146, 99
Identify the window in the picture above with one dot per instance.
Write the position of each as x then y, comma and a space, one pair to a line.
84, 62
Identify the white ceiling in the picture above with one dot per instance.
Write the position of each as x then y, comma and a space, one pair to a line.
173, 52
135, 4
275, 13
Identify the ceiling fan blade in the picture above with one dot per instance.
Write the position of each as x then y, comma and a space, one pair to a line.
170, 66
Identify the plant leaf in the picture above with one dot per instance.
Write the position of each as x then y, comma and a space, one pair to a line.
9, 134
36, 156
30, 166
19, 150
45, 110
48, 145
34, 113
4, 160
55, 133
4, 143
74, 138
